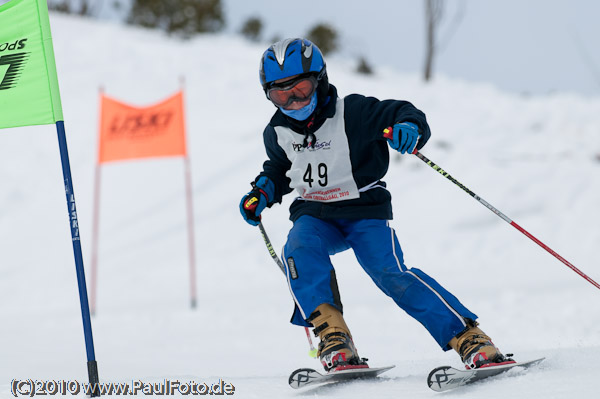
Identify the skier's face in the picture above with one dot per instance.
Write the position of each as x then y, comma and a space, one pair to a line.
292, 93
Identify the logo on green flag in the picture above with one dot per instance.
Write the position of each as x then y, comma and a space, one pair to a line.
29, 92
15, 64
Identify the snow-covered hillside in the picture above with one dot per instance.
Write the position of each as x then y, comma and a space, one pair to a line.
534, 158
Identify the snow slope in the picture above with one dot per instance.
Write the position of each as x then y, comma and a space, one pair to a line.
534, 158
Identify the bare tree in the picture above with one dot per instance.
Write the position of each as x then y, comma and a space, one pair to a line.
434, 11
434, 14
587, 59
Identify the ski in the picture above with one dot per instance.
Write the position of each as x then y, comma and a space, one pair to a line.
308, 377
445, 378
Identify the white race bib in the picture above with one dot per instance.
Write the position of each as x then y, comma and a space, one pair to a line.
322, 172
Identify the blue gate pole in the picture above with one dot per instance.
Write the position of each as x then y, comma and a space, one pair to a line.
83, 297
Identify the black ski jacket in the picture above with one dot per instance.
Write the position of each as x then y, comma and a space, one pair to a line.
347, 159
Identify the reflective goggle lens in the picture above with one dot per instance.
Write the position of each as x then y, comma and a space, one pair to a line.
299, 90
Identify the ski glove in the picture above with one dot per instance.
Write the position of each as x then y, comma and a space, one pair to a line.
404, 137
255, 201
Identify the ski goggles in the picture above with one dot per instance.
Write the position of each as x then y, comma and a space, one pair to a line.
282, 95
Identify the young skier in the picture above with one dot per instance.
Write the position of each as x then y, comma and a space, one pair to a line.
332, 152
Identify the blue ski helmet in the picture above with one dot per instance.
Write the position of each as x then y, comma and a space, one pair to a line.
290, 57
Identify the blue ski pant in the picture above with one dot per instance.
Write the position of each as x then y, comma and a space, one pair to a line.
312, 282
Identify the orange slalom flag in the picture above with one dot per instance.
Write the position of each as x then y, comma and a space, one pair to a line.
128, 132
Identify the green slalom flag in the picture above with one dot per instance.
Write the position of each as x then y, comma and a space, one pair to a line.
29, 92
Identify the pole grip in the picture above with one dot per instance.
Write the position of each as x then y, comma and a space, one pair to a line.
388, 133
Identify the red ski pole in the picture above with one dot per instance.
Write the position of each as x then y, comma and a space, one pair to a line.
388, 134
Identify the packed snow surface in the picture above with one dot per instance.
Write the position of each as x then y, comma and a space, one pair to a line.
537, 159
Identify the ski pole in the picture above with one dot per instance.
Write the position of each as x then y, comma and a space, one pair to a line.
388, 135
312, 352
